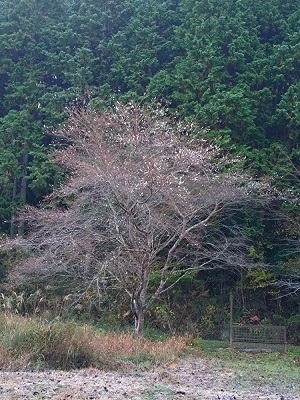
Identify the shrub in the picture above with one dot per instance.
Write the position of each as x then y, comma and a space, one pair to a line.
38, 344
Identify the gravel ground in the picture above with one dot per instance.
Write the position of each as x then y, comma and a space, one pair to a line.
191, 379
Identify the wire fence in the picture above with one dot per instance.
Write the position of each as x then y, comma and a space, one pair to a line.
258, 338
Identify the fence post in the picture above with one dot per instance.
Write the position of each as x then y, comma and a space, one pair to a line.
231, 322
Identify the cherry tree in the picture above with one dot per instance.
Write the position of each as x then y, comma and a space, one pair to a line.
143, 198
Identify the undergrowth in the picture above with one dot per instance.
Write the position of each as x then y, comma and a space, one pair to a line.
31, 343
37, 344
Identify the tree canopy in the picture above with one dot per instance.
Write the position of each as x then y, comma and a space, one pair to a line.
143, 201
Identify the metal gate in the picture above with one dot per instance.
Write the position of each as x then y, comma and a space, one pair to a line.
258, 337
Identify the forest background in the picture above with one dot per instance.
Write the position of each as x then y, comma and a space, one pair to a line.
232, 66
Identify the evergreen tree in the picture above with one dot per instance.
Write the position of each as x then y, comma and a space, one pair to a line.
235, 65
27, 103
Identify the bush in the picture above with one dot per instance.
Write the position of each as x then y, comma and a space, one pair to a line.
38, 344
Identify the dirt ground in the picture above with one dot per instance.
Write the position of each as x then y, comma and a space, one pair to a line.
191, 379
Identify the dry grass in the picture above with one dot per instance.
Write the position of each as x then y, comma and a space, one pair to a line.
38, 344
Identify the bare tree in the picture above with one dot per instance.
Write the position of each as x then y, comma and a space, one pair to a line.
143, 198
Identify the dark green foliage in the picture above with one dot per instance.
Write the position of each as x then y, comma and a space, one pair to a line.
232, 65
236, 68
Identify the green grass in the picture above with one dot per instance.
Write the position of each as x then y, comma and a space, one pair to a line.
253, 368
156, 390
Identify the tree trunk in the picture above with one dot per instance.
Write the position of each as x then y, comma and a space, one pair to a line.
139, 308
19, 192
23, 188
14, 195
139, 323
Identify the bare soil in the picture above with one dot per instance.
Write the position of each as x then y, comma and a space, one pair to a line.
189, 379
